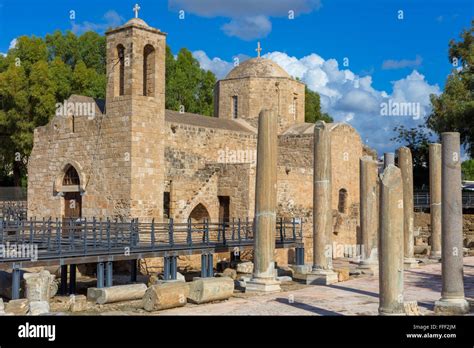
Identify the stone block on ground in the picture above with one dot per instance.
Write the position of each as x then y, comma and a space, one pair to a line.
411, 308
164, 296
39, 307
40, 286
284, 279
210, 289
231, 273
245, 267
2, 306
78, 303
116, 293
17, 307
342, 274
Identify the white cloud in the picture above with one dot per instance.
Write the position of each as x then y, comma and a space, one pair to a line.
219, 67
348, 97
404, 63
249, 19
3, 54
13, 44
248, 28
111, 19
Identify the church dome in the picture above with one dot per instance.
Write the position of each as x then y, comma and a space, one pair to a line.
257, 67
136, 21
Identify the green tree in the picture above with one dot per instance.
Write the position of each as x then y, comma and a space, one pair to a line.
453, 110
417, 139
312, 111
467, 168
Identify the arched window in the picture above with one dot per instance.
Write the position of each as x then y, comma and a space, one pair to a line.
121, 69
71, 177
149, 71
342, 204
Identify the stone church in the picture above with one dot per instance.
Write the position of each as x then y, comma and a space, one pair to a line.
132, 158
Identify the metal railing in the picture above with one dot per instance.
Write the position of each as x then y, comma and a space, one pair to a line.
422, 200
82, 237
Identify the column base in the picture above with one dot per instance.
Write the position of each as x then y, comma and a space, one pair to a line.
368, 267
410, 263
395, 312
453, 306
262, 285
436, 255
301, 269
319, 277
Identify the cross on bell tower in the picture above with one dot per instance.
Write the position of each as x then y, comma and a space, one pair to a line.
136, 8
258, 49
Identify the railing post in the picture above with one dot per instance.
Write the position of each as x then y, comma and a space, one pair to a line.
189, 238
171, 232
224, 224
84, 234
233, 229
108, 234
133, 273
238, 231
293, 228
2, 229
58, 234
166, 268
153, 233
31, 231
281, 229
246, 228
94, 232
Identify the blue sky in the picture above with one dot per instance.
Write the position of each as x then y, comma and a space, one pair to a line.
389, 58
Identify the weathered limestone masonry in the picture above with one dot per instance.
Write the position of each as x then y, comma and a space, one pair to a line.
391, 243
435, 199
260, 83
369, 211
263, 278
405, 163
452, 295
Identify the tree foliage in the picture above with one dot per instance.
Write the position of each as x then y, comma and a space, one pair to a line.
453, 110
312, 109
467, 168
417, 139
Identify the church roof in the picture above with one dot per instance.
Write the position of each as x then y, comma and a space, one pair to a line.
257, 67
308, 128
204, 121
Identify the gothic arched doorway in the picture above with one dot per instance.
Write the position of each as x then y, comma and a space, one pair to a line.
199, 213
72, 195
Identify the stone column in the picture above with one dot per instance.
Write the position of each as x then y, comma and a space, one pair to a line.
388, 158
391, 243
322, 272
263, 278
452, 295
435, 200
405, 163
369, 212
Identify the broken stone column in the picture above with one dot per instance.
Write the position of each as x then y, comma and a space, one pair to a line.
263, 279
435, 200
388, 158
452, 295
369, 213
405, 163
116, 293
322, 272
210, 289
391, 243
165, 296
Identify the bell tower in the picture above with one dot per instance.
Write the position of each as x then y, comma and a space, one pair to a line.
135, 109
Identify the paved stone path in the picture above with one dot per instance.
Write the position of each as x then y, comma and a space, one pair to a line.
353, 297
